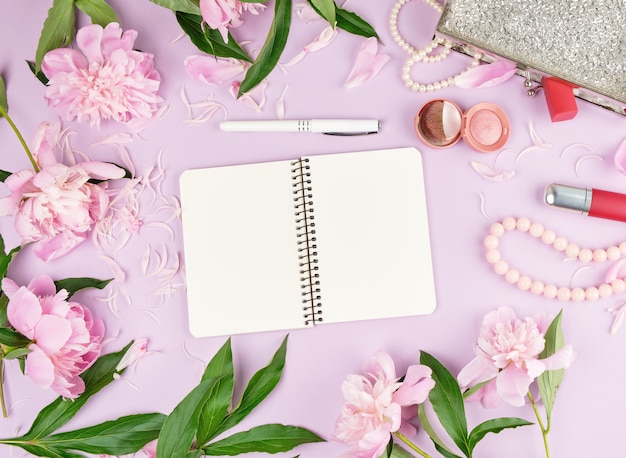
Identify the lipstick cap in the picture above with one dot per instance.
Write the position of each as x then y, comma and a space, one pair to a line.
569, 198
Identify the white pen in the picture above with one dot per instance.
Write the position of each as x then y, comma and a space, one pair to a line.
324, 126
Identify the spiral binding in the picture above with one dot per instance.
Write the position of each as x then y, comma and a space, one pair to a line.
307, 248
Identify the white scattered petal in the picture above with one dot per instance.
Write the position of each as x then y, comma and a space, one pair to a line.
280, 104
583, 158
491, 174
189, 355
537, 141
618, 311
527, 150
482, 205
576, 272
573, 146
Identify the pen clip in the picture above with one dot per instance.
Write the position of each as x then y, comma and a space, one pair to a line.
348, 134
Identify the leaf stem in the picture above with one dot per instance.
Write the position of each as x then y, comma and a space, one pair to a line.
4, 407
544, 430
411, 445
4, 114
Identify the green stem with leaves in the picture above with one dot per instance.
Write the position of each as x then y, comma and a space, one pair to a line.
411, 445
4, 114
545, 429
4, 407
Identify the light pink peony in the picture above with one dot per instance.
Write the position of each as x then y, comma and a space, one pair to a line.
106, 79
57, 206
374, 402
66, 339
223, 14
507, 355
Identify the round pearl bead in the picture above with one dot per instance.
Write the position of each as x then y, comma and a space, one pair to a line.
622, 247
564, 294
493, 256
599, 255
560, 244
524, 283
572, 250
592, 293
578, 294
509, 223
536, 287
491, 242
613, 253
550, 291
497, 229
512, 276
548, 237
605, 290
523, 224
536, 230
501, 267
619, 286
585, 255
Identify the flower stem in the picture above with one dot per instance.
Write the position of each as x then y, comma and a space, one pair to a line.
4, 407
4, 114
411, 445
544, 430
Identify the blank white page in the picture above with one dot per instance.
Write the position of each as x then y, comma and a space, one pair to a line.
372, 233
241, 256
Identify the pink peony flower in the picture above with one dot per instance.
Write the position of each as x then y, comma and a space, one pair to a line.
223, 14
373, 407
507, 355
57, 206
106, 79
66, 339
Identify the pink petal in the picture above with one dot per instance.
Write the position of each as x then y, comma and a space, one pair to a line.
51, 333
415, 387
617, 270
43, 285
322, 40
490, 398
306, 13
24, 311
62, 60
478, 370
489, 173
561, 359
211, 70
88, 39
39, 367
620, 158
367, 65
9, 287
102, 170
486, 75
512, 384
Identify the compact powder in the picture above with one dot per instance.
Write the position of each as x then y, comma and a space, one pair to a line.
485, 127
441, 123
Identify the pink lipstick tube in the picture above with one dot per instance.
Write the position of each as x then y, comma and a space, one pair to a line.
587, 201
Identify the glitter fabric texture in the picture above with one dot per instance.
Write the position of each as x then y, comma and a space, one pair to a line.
581, 41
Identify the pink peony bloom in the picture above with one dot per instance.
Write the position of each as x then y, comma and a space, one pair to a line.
507, 355
57, 206
106, 79
66, 339
223, 14
211, 70
374, 402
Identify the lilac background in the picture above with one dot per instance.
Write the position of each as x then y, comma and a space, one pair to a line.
462, 205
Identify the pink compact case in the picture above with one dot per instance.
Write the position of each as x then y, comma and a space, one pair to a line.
441, 123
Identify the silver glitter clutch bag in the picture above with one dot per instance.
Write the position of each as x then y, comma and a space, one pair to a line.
581, 42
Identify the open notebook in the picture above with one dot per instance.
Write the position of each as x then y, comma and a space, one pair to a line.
297, 243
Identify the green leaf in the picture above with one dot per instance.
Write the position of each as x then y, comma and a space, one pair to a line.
352, 23
17, 353
272, 48
4, 303
439, 444
73, 285
39, 74
550, 381
99, 11
60, 411
215, 409
494, 426
399, 452
116, 437
47, 451
209, 40
259, 387
3, 173
6, 258
4, 105
447, 402
180, 426
185, 6
273, 438
326, 9
58, 29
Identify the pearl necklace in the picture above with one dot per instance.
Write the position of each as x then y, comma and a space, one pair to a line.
572, 251
424, 54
